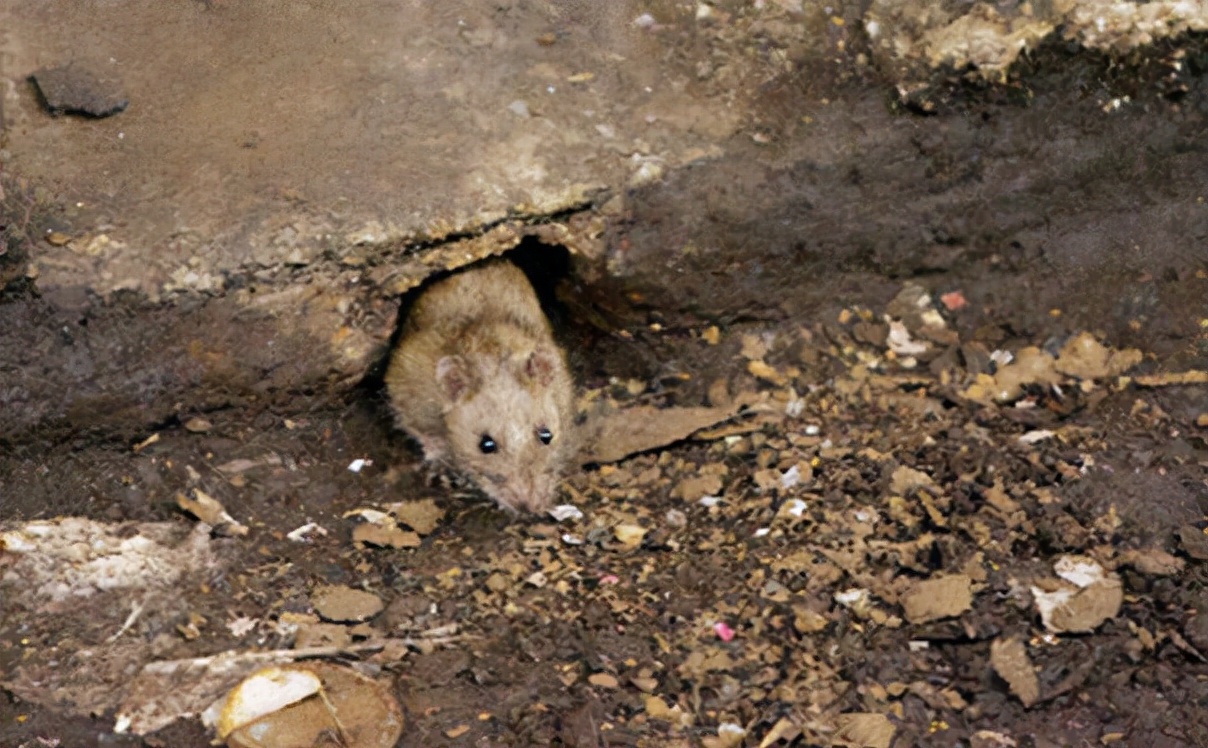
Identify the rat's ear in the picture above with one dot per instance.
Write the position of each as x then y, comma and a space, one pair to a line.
455, 378
541, 365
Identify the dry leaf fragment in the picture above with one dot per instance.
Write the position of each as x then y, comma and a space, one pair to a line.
603, 680
422, 516
761, 370
784, 729
1085, 598
1153, 561
390, 536
1010, 660
939, 597
695, 486
146, 443
864, 730
630, 536
755, 347
906, 479
991, 739
640, 429
343, 604
457, 732
380, 529
656, 708
242, 465
1031, 366
209, 510
1173, 378
1086, 358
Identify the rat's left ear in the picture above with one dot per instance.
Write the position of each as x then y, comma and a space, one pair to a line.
541, 365
456, 379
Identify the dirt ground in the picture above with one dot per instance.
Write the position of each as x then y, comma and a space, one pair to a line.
885, 302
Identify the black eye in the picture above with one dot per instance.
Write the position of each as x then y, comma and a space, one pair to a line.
545, 435
487, 444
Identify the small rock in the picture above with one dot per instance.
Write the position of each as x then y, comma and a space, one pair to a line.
75, 89
198, 425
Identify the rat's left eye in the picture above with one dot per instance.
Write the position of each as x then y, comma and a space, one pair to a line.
487, 445
545, 435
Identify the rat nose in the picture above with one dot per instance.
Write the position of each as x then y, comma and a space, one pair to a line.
532, 495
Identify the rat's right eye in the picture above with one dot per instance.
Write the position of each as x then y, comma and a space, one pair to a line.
487, 444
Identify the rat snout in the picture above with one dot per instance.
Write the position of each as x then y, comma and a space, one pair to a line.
529, 494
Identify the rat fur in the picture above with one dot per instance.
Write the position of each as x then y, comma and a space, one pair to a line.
477, 378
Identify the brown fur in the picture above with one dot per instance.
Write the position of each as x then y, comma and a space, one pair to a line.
477, 356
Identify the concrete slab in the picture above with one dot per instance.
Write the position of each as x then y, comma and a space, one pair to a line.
272, 132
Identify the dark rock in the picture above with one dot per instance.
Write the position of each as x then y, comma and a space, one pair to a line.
76, 89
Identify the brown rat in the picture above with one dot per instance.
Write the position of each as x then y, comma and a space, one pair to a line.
478, 379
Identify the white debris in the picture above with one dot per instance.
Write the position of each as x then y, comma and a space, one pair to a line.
676, 518
852, 597
900, 342
303, 533
564, 512
359, 464
1081, 570
790, 478
1001, 357
242, 625
1038, 435
270, 690
73, 557
796, 507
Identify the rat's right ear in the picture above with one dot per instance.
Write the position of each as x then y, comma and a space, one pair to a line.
455, 378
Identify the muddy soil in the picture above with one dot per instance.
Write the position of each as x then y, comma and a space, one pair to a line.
734, 605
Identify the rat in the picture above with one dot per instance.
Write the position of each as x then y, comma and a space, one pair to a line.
478, 380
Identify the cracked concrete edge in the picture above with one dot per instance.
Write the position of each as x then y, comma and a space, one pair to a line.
375, 274
910, 40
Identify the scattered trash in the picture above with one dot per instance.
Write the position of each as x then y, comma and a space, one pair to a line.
565, 512
306, 704
723, 631
1081, 600
304, 533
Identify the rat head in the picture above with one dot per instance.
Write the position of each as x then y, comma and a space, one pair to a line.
509, 423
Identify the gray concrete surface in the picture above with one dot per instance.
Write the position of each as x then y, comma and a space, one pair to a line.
271, 132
